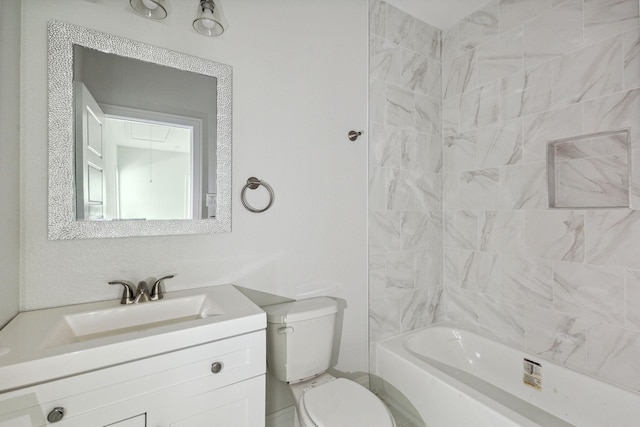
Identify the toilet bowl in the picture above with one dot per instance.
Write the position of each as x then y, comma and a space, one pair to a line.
300, 337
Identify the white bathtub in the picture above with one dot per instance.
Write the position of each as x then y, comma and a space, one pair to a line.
456, 378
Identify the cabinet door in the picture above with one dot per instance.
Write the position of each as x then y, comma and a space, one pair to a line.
238, 405
18, 421
139, 421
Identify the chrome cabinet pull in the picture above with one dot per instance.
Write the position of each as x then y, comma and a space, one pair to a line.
216, 367
56, 414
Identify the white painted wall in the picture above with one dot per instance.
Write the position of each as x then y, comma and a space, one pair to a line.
300, 85
9, 158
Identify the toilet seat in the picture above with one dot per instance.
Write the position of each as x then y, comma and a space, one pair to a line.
343, 403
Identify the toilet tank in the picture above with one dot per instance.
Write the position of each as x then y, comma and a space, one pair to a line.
300, 337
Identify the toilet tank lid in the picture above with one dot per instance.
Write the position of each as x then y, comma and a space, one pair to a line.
304, 309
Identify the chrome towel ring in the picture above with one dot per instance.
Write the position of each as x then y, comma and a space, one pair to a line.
252, 184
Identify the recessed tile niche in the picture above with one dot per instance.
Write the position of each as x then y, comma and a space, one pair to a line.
589, 171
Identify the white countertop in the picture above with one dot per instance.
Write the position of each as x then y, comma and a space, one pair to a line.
27, 356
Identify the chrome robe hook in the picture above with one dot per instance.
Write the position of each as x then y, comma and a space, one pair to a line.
353, 135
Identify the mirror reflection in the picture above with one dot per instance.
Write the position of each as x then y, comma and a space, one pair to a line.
145, 139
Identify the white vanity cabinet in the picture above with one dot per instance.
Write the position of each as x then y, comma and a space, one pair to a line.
220, 383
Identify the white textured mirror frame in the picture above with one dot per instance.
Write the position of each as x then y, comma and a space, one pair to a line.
62, 222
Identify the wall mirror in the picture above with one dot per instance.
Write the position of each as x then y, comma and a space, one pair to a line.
139, 138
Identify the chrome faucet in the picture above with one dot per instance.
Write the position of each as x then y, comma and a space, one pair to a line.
142, 294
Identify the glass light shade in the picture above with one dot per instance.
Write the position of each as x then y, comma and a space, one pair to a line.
210, 20
153, 9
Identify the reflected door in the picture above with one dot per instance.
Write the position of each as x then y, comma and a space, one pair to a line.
90, 162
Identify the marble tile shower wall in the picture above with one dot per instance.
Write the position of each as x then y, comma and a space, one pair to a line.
562, 284
405, 173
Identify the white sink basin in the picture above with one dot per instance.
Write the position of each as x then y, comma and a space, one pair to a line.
43, 345
122, 319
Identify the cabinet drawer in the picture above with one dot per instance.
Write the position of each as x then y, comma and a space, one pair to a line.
239, 358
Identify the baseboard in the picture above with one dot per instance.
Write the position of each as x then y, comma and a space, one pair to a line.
282, 418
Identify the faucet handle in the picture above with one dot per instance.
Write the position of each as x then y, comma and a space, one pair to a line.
127, 294
156, 290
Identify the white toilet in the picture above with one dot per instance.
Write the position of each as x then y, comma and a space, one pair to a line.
300, 338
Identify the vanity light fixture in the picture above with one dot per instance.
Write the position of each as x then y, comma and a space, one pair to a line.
210, 20
153, 9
